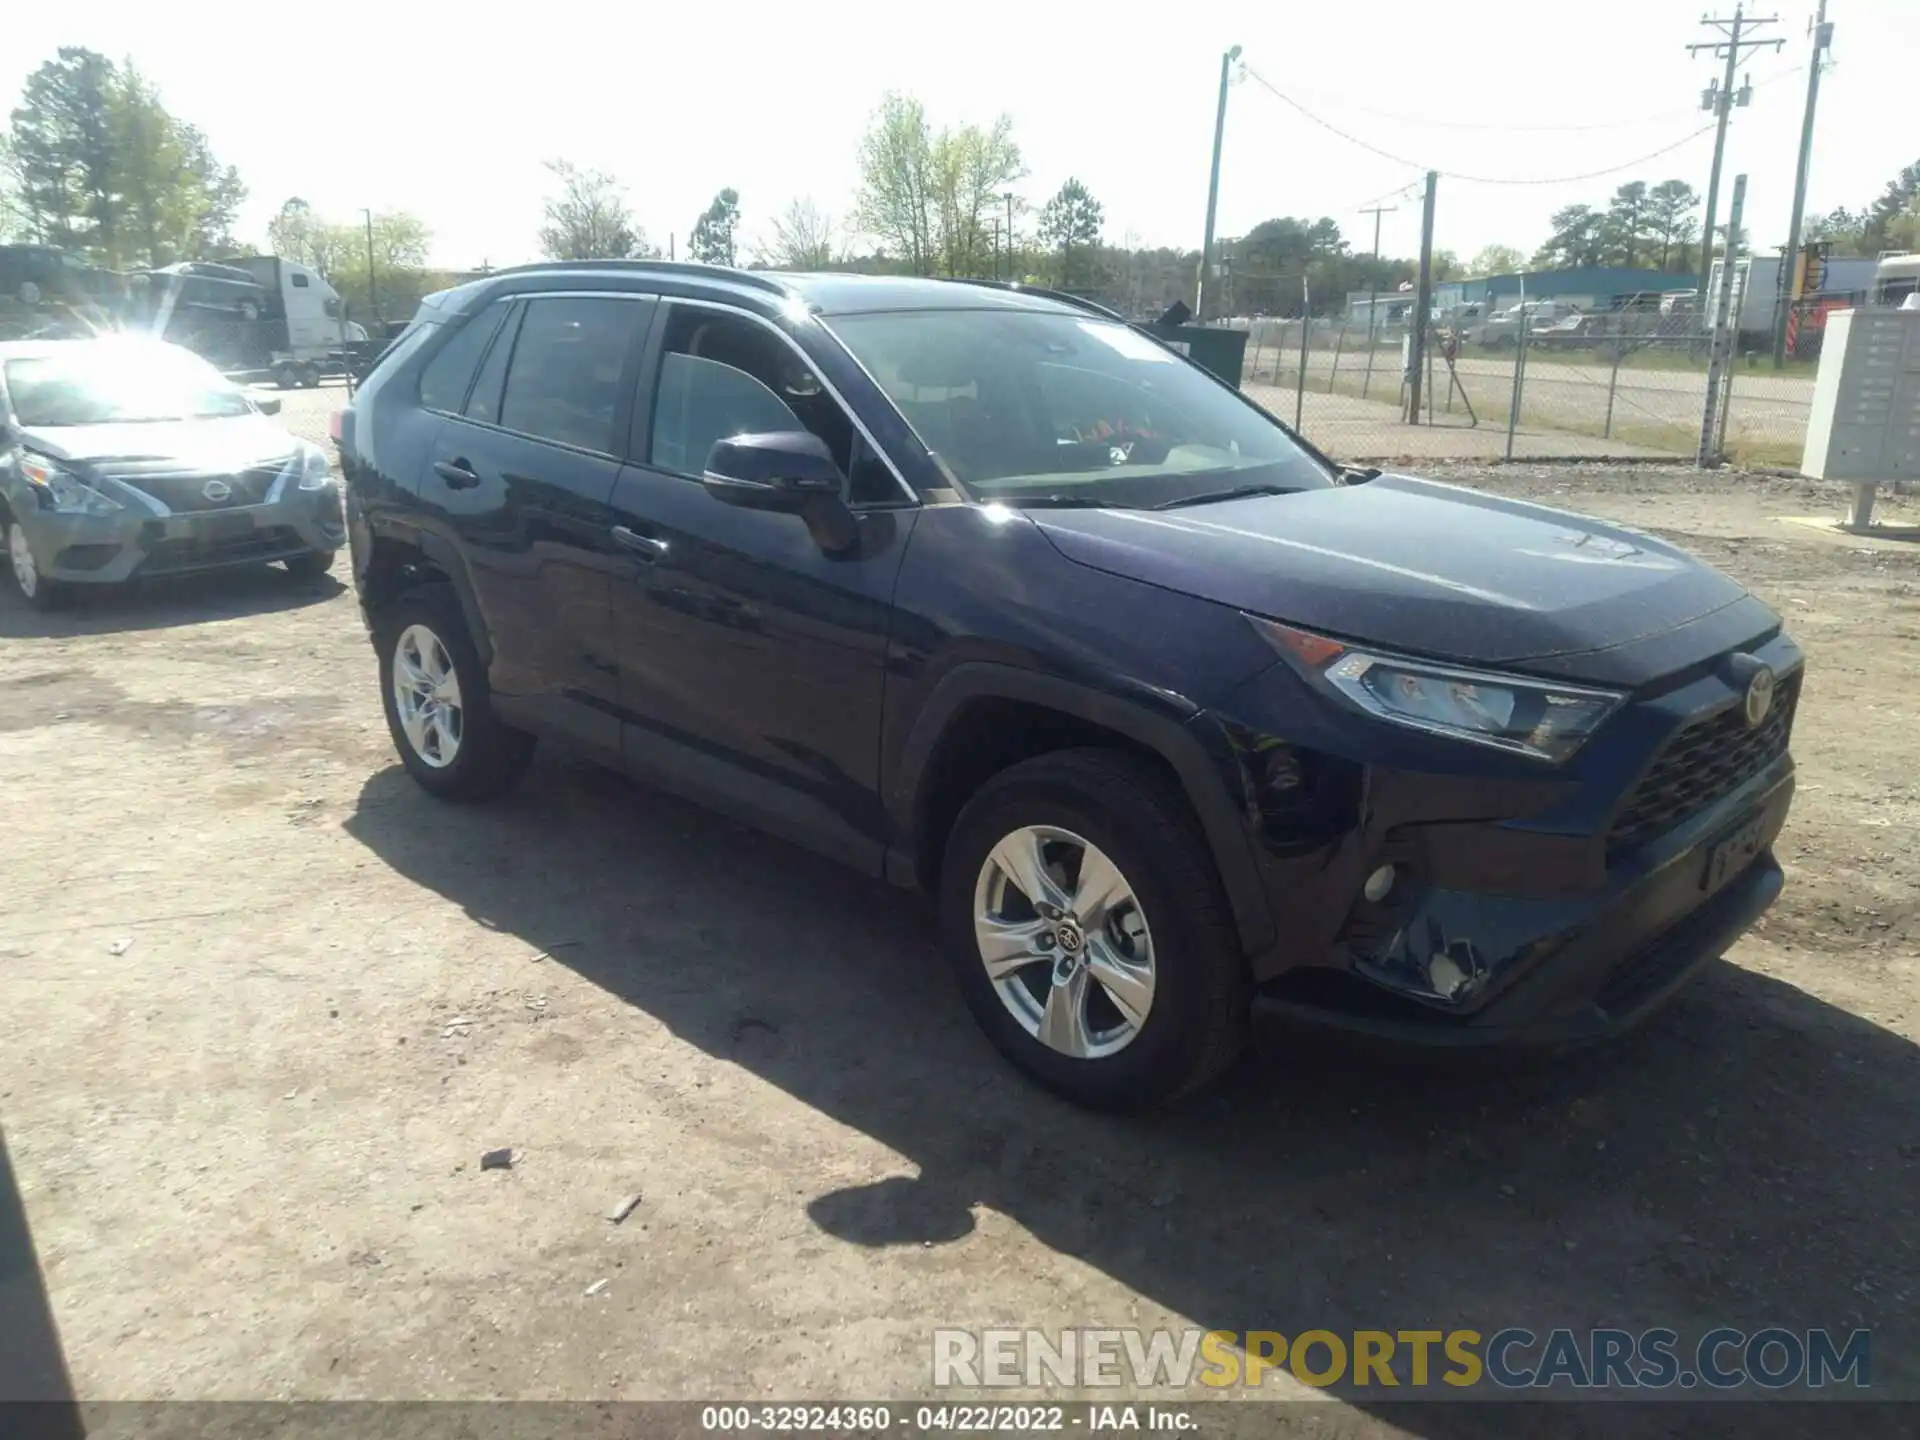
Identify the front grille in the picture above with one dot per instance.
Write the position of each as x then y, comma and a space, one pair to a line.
1702, 765
186, 494
267, 543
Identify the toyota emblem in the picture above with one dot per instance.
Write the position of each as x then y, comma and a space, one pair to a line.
1759, 698
217, 490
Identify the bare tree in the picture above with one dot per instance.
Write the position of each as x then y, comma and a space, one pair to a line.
589, 218
802, 239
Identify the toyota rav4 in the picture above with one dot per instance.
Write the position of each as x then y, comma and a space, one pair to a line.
987, 592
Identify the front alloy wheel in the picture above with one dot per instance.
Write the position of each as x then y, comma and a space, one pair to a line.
1087, 928
26, 574
1064, 942
426, 695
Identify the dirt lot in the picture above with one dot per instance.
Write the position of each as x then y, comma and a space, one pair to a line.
267, 1005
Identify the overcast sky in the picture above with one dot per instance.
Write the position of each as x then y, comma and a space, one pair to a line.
402, 106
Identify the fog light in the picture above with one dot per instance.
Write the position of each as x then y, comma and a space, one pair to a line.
1379, 883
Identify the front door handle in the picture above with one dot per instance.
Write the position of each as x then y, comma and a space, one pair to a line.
458, 474
646, 547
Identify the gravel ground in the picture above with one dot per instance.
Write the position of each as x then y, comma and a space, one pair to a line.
267, 1005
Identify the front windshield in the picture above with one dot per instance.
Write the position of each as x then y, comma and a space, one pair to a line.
115, 382
1026, 406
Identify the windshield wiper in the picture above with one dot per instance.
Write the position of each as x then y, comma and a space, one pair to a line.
1058, 502
1208, 497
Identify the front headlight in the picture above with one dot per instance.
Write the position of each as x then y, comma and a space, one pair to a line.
62, 492
314, 472
1508, 712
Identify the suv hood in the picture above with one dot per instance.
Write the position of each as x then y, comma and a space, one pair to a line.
1413, 565
218, 446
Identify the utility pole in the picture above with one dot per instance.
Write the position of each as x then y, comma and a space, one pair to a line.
1790, 257
1725, 331
373, 300
1720, 97
1423, 303
1007, 195
1373, 290
1213, 185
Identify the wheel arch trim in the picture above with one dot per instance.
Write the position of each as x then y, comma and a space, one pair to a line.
908, 788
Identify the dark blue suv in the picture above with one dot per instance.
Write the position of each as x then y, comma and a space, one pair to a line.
987, 592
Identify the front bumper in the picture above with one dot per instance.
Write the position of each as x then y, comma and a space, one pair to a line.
132, 544
1573, 971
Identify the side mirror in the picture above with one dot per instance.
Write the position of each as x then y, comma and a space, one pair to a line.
776, 470
790, 471
268, 404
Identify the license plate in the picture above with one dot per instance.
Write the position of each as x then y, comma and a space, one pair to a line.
1729, 856
212, 529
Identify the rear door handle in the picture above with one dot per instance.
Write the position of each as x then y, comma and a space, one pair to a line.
645, 546
458, 474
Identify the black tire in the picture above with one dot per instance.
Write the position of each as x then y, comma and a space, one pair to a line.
491, 755
283, 377
309, 377
1140, 819
312, 565
249, 311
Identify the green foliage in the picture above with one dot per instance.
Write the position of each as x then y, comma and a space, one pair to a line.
711, 242
929, 197
589, 218
1890, 219
1644, 227
1285, 263
1071, 222
396, 248
102, 168
1496, 260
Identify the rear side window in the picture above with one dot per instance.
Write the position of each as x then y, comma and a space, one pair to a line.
564, 381
299, 281
484, 403
443, 385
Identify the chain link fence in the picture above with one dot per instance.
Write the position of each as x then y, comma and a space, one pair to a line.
1594, 385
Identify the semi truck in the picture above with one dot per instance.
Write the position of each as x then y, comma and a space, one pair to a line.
293, 328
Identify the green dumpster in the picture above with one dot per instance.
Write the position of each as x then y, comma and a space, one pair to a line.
1222, 351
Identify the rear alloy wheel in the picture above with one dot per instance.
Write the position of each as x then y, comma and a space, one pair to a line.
426, 691
439, 710
1085, 924
34, 588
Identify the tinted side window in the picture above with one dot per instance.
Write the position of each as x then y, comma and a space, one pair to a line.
484, 403
443, 384
701, 401
299, 281
723, 375
563, 383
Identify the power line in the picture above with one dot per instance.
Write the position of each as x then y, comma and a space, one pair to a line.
1430, 123
1355, 140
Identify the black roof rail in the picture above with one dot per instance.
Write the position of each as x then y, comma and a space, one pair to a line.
750, 278
1065, 297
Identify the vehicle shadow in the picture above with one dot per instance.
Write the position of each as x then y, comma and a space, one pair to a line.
36, 1391
163, 603
1749, 1159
